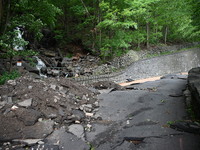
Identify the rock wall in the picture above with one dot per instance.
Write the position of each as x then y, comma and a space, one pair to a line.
194, 87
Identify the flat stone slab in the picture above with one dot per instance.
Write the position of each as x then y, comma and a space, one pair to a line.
28, 116
12, 128
26, 103
28, 141
77, 130
67, 141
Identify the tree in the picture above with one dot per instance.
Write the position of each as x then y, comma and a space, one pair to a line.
196, 18
33, 15
8, 42
115, 27
5, 7
108, 28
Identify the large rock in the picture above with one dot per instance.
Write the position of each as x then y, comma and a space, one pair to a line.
77, 130
30, 68
67, 141
28, 116
66, 61
194, 87
26, 103
106, 85
50, 53
12, 128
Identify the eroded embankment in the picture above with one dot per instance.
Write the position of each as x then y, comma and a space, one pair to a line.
162, 65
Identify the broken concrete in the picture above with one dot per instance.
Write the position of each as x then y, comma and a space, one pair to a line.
12, 128
77, 130
28, 116
66, 140
26, 103
144, 114
32, 109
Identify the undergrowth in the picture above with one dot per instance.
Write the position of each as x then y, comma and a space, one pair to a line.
9, 76
171, 52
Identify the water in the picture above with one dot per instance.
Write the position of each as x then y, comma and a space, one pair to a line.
17, 40
18, 47
39, 66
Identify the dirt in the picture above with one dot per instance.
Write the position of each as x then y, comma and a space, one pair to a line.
106, 85
27, 103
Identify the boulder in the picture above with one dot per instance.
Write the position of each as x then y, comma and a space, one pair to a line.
67, 140
194, 87
27, 116
55, 72
26, 103
50, 53
66, 61
29, 68
79, 115
77, 130
106, 85
12, 128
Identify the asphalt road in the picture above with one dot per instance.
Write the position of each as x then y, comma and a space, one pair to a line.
139, 118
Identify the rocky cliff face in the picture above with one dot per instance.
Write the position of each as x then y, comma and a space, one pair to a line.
194, 87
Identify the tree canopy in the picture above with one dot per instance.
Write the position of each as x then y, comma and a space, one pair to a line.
104, 27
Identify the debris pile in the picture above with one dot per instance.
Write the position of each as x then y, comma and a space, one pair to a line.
31, 109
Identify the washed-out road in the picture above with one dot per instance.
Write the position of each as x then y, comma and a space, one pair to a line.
139, 117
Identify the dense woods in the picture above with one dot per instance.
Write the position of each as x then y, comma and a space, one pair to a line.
103, 27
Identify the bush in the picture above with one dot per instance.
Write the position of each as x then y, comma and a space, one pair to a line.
9, 76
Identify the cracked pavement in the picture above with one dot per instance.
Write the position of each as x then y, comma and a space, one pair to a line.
138, 118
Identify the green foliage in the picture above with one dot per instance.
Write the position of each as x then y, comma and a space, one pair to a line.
196, 13
43, 10
171, 122
59, 36
13, 53
91, 146
108, 28
69, 55
163, 101
31, 14
8, 76
169, 52
31, 61
115, 26
190, 111
8, 42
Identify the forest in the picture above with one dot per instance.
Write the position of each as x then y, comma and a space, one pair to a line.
106, 28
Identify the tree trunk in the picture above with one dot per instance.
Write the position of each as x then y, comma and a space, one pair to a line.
1, 10
138, 39
93, 38
10, 65
147, 26
85, 7
166, 32
156, 31
5, 15
100, 32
